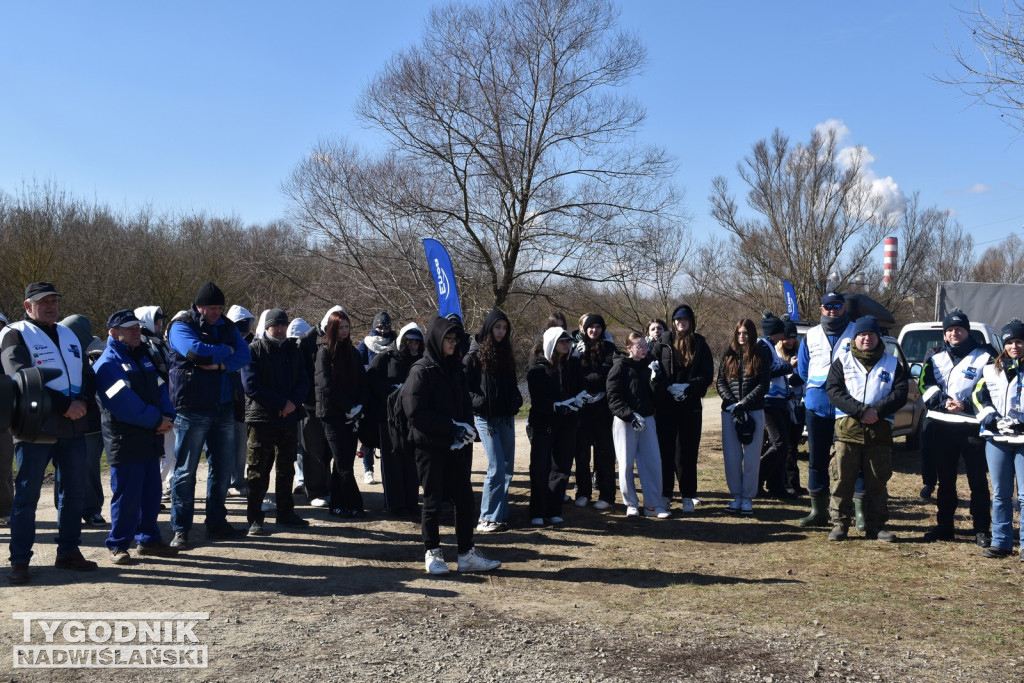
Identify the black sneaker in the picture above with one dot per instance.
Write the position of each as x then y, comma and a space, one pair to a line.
95, 520
222, 530
74, 560
160, 549
291, 519
996, 553
180, 540
939, 534
982, 539
927, 490
256, 529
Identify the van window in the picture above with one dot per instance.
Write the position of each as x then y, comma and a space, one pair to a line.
916, 343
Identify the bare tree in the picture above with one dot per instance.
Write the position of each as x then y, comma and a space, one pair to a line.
517, 147
817, 216
991, 68
1003, 262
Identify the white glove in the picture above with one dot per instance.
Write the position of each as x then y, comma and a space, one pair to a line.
567, 406
581, 347
579, 399
470, 434
352, 413
1006, 426
655, 369
397, 386
593, 398
638, 422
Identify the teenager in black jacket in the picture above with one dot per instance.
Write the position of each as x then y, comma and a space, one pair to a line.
690, 368
490, 371
634, 384
743, 378
437, 404
555, 384
388, 372
341, 393
595, 354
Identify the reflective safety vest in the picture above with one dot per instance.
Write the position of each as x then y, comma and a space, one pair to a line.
1005, 396
67, 358
957, 380
821, 353
869, 387
778, 387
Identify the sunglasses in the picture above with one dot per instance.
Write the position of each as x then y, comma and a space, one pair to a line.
832, 307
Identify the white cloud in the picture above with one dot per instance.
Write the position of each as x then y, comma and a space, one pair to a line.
892, 197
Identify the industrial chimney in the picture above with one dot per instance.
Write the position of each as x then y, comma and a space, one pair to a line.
889, 261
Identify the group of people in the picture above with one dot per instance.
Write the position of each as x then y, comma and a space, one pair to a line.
282, 392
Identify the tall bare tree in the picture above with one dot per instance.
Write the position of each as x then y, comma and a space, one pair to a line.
1003, 262
991, 67
816, 216
516, 145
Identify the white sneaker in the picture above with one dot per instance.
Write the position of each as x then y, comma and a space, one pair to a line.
319, 502
268, 504
632, 511
555, 520
688, 505
473, 561
435, 563
368, 477
662, 513
601, 505
581, 502
486, 527
537, 521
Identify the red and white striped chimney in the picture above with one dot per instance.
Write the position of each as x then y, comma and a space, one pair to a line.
889, 261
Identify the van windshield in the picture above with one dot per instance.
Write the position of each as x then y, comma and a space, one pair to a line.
917, 342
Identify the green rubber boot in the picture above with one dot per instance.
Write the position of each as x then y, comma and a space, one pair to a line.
858, 509
819, 511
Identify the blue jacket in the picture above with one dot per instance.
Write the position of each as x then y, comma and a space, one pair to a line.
815, 398
133, 401
193, 343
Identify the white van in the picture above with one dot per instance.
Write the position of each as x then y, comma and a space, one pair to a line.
917, 338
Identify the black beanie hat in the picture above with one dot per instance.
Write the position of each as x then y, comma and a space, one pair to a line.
210, 295
382, 319
866, 323
956, 318
1014, 329
594, 319
275, 316
789, 327
770, 324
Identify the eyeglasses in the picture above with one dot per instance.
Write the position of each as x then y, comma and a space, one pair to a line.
832, 307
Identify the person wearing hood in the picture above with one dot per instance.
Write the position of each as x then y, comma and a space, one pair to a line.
92, 495
6, 463
787, 349
40, 341
381, 338
342, 393
137, 412
743, 378
634, 386
595, 355
275, 383
867, 386
436, 402
772, 472
689, 366
952, 426
247, 327
490, 370
388, 373
207, 351
556, 389
997, 400
153, 325
316, 456
824, 344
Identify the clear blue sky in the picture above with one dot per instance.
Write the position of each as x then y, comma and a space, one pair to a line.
192, 106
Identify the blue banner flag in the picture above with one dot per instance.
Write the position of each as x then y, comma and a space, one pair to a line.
440, 265
791, 308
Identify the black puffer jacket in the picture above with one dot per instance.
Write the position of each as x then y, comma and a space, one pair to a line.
493, 394
748, 391
276, 375
333, 401
698, 374
435, 394
596, 365
548, 386
631, 389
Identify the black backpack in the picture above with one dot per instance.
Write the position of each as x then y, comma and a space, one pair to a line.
397, 422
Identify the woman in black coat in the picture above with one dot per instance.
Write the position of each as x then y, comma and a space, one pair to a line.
595, 355
690, 368
436, 402
387, 373
341, 393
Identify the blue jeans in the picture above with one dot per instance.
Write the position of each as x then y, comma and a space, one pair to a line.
68, 456
134, 503
498, 436
1004, 459
216, 429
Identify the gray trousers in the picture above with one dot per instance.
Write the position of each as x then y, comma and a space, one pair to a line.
639, 448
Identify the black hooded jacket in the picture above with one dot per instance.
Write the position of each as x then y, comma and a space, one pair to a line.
334, 401
435, 394
699, 374
631, 389
493, 394
549, 385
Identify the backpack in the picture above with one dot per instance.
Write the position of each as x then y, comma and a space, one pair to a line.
397, 423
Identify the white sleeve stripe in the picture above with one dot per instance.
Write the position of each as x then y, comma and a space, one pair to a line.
118, 386
931, 392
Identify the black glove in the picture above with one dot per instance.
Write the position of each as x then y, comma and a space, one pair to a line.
991, 423
562, 409
937, 401
795, 380
739, 414
459, 433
